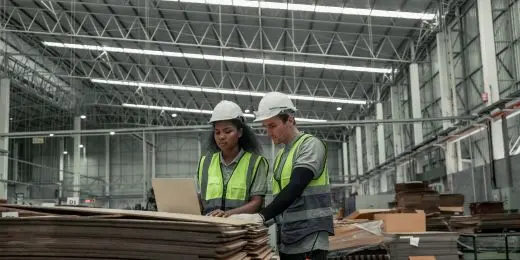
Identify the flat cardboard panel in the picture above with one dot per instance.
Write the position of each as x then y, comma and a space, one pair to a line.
134, 213
176, 195
367, 213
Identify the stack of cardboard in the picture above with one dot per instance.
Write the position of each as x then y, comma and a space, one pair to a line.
357, 240
87, 233
257, 246
493, 223
449, 205
393, 220
416, 195
487, 207
436, 245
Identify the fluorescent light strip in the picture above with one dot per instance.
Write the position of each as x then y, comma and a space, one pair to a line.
313, 8
207, 112
224, 91
215, 57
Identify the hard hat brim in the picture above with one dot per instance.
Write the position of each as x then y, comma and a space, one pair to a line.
268, 116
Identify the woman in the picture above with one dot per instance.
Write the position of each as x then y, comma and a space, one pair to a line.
232, 177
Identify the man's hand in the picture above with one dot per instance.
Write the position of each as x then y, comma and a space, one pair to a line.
217, 213
254, 218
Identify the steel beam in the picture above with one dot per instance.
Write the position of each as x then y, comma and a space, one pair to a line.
99, 69
34, 70
202, 34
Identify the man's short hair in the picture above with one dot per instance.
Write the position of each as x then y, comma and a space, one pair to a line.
284, 115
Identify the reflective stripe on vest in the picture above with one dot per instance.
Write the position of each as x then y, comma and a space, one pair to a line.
213, 188
312, 211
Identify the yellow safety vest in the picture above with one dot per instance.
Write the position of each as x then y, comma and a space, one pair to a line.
312, 211
215, 194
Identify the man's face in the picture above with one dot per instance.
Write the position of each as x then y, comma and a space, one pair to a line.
277, 129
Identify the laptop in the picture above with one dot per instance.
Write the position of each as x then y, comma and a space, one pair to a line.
176, 195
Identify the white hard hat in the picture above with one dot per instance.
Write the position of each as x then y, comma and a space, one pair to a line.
272, 104
226, 110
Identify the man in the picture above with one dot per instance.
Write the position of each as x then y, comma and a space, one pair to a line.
300, 184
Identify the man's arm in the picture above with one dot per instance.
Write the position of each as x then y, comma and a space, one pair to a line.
300, 178
308, 165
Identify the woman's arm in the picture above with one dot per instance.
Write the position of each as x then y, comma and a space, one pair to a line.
253, 206
257, 191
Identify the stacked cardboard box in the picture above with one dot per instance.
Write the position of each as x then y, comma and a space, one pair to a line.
416, 195
487, 207
437, 245
87, 233
449, 205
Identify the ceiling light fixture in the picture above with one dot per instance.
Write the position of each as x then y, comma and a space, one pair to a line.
247, 111
338, 108
51, 135
112, 133
65, 152
207, 112
225, 91
313, 8
174, 115
83, 117
216, 57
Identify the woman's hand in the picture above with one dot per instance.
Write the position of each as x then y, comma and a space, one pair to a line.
217, 213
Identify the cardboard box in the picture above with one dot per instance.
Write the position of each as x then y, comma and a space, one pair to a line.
368, 213
402, 222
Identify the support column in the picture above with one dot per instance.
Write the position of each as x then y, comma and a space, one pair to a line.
359, 151
345, 159
445, 89
446, 103
199, 146
76, 179
369, 143
396, 131
352, 160
380, 134
152, 160
107, 170
415, 95
489, 71
145, 168
61, 150
5, 86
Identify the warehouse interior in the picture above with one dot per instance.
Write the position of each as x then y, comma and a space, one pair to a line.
97, 98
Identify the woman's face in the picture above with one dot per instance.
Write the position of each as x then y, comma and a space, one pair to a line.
226, 135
